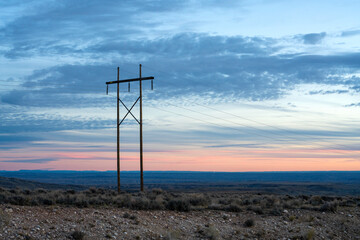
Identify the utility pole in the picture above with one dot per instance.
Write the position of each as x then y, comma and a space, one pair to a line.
141, 136
140, 79
118, 132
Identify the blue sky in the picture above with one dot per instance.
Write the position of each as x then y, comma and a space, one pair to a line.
239, 85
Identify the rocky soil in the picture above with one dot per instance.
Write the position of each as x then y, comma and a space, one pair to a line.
61, 222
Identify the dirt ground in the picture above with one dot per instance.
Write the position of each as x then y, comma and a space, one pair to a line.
59, 222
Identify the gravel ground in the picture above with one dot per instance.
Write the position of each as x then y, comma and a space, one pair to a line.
59, 222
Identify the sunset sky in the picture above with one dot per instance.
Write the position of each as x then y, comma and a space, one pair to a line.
250, 85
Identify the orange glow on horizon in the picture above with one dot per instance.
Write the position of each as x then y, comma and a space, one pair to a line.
232, 160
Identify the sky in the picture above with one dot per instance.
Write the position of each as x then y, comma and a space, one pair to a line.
239, 85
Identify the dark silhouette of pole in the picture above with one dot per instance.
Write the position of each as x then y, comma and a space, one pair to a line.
141, 136
118, 132
140, 79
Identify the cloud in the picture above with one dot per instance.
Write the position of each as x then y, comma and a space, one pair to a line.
85, 49
232, 67
5, 138
323, 92
15, 141
237, 146
353, 105
350, 33
29, 122
36, 160
356, 88
313, 38
54, 28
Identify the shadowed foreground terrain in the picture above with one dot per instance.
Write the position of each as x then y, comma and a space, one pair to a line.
103, 214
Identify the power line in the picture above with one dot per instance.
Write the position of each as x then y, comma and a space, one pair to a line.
258, 122
204, 114
274, 127
346, 154
339, 145
310, 137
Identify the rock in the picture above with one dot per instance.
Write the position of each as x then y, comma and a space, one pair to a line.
8, 210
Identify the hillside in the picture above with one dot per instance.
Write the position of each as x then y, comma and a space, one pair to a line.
13, 183
294, 183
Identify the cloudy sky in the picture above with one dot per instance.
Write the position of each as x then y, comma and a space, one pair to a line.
242, 85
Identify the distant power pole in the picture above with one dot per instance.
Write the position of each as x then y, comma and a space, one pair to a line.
140, 79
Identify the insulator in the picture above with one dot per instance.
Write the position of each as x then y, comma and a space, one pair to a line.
129, 87
152, 85
107, 89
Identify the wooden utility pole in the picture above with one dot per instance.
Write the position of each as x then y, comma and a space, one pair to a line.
118, 132
140, 79
141, 136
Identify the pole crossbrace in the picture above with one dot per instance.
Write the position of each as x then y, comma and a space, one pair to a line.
129, 111
139, 99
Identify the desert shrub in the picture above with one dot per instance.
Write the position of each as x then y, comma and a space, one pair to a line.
256, 209
4, 218
249, 223
26, 192
108, 235
157, 204
66, 199
304, 197
129, 216
270, 202
276, 211
33, 201
123, 200
307, 218
209, 232
255, 200
70, 191
347, 203
310, 234
216, 206
55, 194
45, 200
178, 204
3, 198
91, 190
329, 207
199, 200
233, 208
157, 191
226, 201
17, 200
316, 200
41, 190
329, 198
289, 197
295, 203
246, 202
140, 203
172, 235
77, 235
95, 201
81, 201
14, 191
